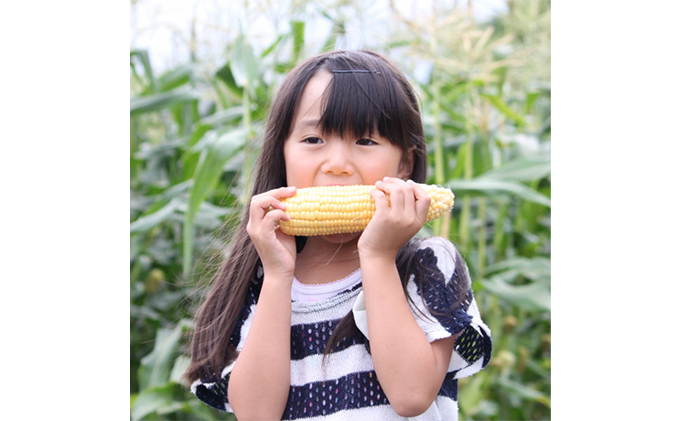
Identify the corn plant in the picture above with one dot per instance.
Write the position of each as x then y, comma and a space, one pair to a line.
193, 142
486, 104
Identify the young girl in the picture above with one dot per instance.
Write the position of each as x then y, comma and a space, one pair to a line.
376, 325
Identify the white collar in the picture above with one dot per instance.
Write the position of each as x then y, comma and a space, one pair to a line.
317, 292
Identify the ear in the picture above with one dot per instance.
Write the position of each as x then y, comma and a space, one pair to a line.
406, 165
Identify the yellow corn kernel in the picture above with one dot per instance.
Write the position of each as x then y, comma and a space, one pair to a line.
345, 209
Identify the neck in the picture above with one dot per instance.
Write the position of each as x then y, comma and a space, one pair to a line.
326, 260
325, 251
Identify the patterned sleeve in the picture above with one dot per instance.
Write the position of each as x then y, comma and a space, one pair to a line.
213, 390
443, 304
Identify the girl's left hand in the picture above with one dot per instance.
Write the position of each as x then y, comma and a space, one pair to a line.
397, 221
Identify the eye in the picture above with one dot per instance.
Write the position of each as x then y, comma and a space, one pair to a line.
312, 140
366, 142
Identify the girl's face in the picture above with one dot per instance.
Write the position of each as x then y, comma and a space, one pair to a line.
315, 159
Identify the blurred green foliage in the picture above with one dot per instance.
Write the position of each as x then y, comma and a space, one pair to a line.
485, 95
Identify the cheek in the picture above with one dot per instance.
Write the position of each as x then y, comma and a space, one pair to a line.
289, 163
389, 165
291, 170
297, 170
290, 152
374, 171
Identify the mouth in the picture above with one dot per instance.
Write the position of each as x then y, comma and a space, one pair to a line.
336, 184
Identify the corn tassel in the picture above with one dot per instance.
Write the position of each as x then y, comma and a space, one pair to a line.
345, 209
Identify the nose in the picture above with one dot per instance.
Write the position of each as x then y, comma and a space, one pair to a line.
338, 159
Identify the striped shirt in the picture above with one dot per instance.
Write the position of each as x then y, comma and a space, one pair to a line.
345, 386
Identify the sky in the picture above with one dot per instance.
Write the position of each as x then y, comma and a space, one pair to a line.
163, 26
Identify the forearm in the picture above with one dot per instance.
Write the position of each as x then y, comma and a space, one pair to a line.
260, 380
404, 360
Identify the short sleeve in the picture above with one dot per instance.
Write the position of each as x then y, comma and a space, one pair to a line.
213, 390
444, 305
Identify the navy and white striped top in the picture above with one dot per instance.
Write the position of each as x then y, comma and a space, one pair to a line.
345, 386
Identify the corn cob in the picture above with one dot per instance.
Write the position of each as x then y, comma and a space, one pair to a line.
345, 209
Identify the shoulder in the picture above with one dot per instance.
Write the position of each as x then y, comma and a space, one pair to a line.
439, 245
438, 274
439, 253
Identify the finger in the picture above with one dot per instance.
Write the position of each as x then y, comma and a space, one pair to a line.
259, 206
274, 216
406, 190
271, 199
282, 192
265, 204
267, 224
380, 199
263, 208
399, 192
277, 194
422, 200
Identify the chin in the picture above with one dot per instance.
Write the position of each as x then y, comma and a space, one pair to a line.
341, 238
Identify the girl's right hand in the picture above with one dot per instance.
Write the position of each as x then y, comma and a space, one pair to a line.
277, 250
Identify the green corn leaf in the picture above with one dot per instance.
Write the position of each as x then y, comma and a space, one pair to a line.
473, 392
161, 101
218, 153
146, 63
536, 268
272, 47
533, 297
146, 222
207, 174
226, 75
521, 169
156, 366
504, 108
222, 117
154, 400
176, 77
162, 150
492, 186
179, 368
530, 100
176, 190
523, 391
208, 216
243, 63
298, 30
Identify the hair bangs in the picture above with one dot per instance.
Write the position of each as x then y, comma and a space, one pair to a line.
359, 103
